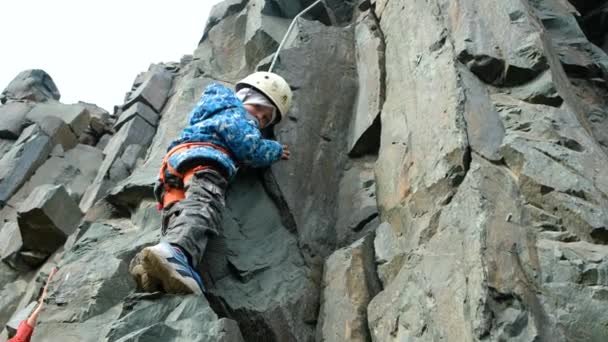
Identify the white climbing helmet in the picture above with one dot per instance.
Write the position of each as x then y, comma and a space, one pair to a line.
273, 86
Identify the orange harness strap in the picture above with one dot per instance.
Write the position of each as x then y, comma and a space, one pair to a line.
174, 194
165, 164
171, 194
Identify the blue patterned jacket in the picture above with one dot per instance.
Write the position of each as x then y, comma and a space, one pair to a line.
220, 118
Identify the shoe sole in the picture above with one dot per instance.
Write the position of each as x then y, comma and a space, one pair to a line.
145, 282
171, 281
142, 279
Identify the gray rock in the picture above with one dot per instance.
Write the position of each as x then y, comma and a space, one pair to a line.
34, 85
487, 204
93, 194
578, 67
482, 45
258, 33
136, 131
154, 89
85, 305
76, 116
572, 276
254, 272
9, 299
593, 20
172, 318
104, 141
390, 252
576, 53
289, 9
33, 259
558, 171
46, 218
88, 138
59, 132
130, 156
220, 11
19, 163
101, 120
540, 91
12, 119
357, 212
118, 170
187, 59
485, 130
592, 106
7, 274
74, 169
424, 151
380, 5
79, 296
5, 145
139, 79
319, 141
140, 109
341, 11
405, 308
364, 134
350, 282
10, 244
282, 8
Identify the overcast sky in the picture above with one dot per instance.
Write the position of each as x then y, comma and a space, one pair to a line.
93, 49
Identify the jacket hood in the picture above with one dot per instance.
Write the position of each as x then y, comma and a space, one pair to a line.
215, 99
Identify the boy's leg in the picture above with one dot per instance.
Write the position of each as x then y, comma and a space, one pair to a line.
187, 225
191, 221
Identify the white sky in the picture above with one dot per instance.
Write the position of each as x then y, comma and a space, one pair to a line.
93, 49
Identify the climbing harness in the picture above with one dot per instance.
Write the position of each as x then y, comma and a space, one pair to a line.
173, 191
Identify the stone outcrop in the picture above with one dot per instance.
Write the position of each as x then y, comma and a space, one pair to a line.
76, 116
349, 283
19, 163
447, 181
13, 119
33, 85
46, 218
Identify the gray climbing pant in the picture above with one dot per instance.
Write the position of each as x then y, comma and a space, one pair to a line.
190, 222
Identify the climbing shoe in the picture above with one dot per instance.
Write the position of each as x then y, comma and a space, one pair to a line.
144, 281
169, 265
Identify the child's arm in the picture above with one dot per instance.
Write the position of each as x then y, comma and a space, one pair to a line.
247, 144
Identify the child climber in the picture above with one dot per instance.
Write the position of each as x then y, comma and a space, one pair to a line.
223, 133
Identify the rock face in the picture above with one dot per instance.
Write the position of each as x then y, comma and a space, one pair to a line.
350, 282
13, 117
447, 182
26, 155
153, 89
34, 85
76, 116
46, 218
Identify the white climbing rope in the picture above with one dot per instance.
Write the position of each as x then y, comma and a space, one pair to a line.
293, 22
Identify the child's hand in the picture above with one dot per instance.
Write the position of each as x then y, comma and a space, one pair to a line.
286, 154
